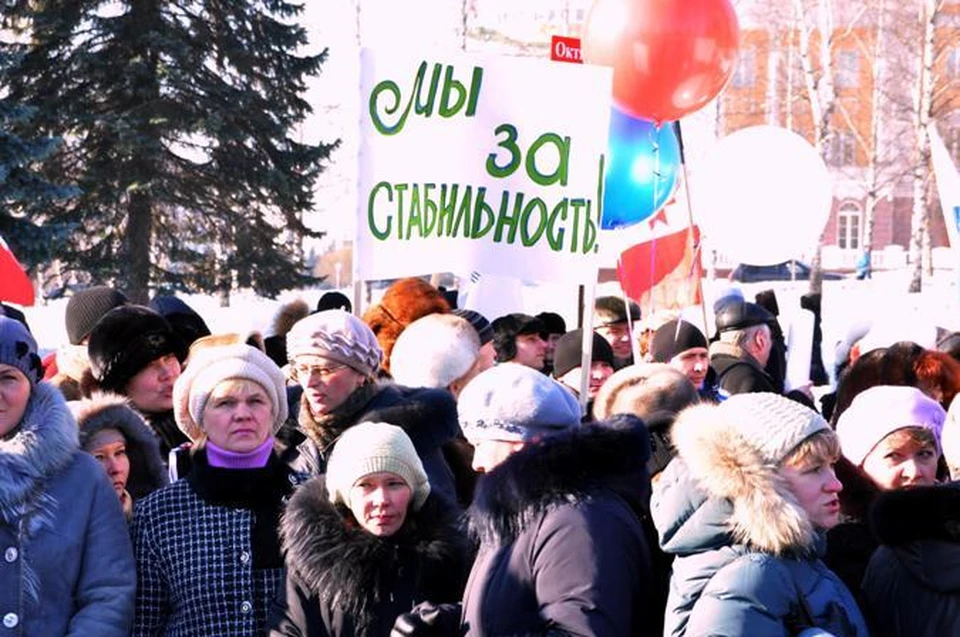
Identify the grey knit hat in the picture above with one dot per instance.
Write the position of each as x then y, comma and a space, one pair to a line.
770, 423
513, 402
86, 307
336, 335
374, 447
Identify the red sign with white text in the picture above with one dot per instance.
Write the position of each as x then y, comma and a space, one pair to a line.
563, 49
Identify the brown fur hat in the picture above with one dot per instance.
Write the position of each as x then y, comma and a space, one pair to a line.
287, 316
403, 303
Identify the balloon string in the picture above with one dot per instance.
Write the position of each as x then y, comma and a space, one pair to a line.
655, 144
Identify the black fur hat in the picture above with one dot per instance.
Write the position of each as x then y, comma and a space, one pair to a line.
126, 340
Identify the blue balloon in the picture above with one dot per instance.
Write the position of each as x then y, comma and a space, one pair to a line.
642, 167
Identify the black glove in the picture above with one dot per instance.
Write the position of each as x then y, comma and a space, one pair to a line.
428, 620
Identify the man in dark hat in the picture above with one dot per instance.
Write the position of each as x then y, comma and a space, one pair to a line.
520, 338
611, 321
743, 349
555, 327
684, 347
568, 364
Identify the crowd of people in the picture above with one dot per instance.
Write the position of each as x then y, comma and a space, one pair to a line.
425, 470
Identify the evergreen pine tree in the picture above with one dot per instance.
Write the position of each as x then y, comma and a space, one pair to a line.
24, 193
178, 117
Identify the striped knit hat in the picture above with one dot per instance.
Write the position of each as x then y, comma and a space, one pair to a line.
336, 335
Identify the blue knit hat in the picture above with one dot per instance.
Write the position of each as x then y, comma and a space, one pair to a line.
18, 349
514, 402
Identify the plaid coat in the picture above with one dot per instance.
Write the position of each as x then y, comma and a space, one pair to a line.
204, 564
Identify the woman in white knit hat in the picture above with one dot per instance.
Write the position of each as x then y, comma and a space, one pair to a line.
367, 542
208, 553
744, 507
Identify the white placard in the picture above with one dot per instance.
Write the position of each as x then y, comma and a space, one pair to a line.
483, 164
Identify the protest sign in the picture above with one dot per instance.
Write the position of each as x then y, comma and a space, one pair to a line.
492, 165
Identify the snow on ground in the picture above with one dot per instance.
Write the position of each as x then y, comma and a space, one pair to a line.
845, 302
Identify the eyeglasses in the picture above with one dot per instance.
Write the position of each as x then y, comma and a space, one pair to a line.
307, 372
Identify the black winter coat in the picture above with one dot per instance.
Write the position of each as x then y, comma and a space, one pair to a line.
912, 584
343, 581
563, 550
427, 416
737, 371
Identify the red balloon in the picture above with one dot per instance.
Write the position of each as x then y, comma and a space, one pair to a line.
670, 57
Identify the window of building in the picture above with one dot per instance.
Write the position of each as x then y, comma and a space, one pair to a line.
953, 63
848, 227
952, 142
848, 69
843, 149
745, 74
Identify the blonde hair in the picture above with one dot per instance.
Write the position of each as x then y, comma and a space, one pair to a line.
821, 447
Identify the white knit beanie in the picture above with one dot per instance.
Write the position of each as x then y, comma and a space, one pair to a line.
339, 336
770, 423
374, 447
210, 366
879, 411
434, 351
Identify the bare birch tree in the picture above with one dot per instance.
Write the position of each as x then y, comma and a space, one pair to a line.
924, 88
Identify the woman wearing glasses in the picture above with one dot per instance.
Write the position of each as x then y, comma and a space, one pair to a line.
334, 358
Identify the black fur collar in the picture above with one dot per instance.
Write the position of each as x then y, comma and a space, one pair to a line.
244, 488
923, 513
347, 567
564, 468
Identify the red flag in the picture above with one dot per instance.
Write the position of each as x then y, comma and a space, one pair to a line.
15, 285
663, 273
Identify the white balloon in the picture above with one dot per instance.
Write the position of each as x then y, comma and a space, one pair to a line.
762, 195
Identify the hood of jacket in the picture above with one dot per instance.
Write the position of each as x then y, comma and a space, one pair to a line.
43, 445
562, 469
764, 515
347, 567
922, 526
111, 411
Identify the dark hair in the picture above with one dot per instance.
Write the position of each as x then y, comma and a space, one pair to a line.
553, 323
893, 365
507, 328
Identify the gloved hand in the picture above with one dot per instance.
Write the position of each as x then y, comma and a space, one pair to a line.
428, 620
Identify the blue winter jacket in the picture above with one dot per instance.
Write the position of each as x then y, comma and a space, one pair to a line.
720, 587
66, 563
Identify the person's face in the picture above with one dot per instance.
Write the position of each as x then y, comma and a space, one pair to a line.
487, 358
600, 371
530, 350
14, 394
326, 383
551, 347
113, 457
816, 489
379, 502
898, 462
238, 417
694, 364
151, 390
618, 335
487, 454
